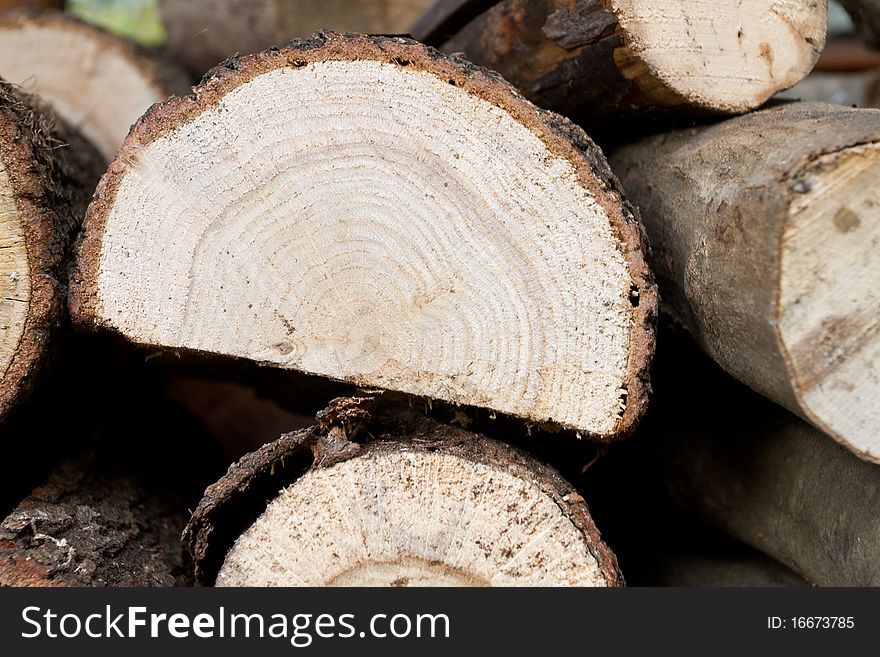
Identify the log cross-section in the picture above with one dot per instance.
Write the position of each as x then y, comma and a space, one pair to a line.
421, 504
366, 209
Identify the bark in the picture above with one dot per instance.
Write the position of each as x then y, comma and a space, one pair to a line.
112, 513
760, 225
767, 478
594, 60
354, 431
866, 17
202, 33
461, 167
93, 79
47, 175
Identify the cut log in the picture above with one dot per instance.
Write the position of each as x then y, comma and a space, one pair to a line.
364, 209
421, 504
765, 231
590, 59
96, 81
47, 175
765, 477
202, 33
866, 18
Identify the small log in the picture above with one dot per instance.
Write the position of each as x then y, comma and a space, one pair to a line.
420, 504
594, 60
47, 175
202, 33
767, 478
96, 81
765, 229
387, 217
865, 15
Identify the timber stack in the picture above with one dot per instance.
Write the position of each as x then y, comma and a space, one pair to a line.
382, 271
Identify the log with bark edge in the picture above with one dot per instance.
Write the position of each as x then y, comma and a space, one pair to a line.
765, 230
47, 175
368, 210
201, 33
764, 476
413, 503
595, 59
96, 81
866, 18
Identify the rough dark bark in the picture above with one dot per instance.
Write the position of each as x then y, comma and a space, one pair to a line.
112, 514
352, 428
52, 172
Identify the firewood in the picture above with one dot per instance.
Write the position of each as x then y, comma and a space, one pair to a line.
766, 477
591, 59
866, 18
413, 503
764, 229
387, 217
47, 175
202, 33
96, 81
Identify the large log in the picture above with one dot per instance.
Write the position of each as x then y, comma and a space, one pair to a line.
368, 210
202, 33
416, 504
94, 80
764, 476
47, 175
765, 230
594, 59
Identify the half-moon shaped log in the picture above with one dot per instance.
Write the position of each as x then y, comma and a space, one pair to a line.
47, 175
96, 81
366, 209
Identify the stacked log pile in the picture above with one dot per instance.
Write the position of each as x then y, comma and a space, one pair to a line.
388, 276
